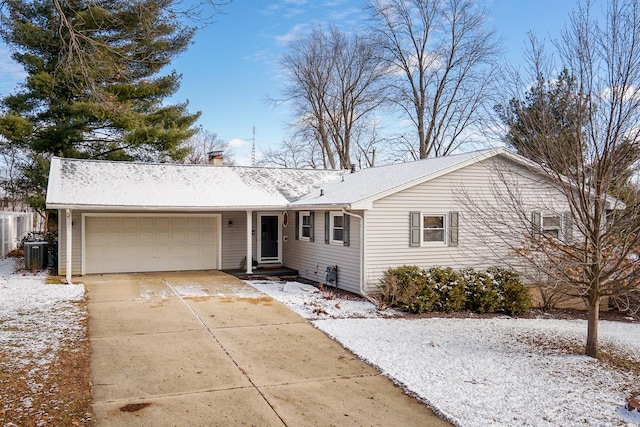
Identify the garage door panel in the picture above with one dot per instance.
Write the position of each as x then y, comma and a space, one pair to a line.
113, 223
162, 222
112, 238
178, 236
130, 223
145, 222
193, 222
145, 237
177, 223
147, 243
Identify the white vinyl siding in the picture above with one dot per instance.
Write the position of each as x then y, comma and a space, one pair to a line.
311, 259
234, 239
391, 233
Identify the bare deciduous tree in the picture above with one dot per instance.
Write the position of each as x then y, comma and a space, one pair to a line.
333, 84
295, 154
204, 142
441, 61
599, 258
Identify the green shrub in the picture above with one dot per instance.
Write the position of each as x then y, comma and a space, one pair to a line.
400, 287
515, 297
444, 289
449, 288
483, 295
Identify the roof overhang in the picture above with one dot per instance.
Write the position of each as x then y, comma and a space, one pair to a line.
187, 209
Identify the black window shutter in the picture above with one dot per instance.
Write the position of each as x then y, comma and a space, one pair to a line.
414, 229
297, 225
453, 228
327, 227
536, 225
346, 229
311, 226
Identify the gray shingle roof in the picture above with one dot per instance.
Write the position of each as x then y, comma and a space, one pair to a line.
83, 183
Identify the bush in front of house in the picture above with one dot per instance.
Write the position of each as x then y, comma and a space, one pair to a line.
449, 288
482, 292
403, 287
515, 297
417, 290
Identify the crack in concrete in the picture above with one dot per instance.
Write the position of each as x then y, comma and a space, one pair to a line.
210, 332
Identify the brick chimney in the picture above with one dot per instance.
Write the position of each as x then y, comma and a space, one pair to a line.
216, 158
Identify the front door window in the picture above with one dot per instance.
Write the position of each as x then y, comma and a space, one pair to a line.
269, 244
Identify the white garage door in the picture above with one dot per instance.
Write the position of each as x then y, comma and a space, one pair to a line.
115, 244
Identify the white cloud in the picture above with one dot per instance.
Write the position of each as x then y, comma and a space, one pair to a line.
237, 143
291, 34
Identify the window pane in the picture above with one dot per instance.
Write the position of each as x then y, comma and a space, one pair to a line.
555, 233
434, 221
338, 234
306, 219
337, 221
551, 221
306, 231
433, 235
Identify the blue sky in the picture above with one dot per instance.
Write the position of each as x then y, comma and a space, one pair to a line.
231, 69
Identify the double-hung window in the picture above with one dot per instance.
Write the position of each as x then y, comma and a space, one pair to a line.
433, 228
551, 226
337, 227
305, 226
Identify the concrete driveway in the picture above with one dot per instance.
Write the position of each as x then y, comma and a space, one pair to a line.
206, 349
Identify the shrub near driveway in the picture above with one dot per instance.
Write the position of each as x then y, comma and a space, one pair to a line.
444, 289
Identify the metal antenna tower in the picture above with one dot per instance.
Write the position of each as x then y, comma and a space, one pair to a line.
253, 148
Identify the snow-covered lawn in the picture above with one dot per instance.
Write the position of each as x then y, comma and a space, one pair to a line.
36, 320
478, 372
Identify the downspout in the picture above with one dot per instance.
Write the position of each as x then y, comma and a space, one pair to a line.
362, 252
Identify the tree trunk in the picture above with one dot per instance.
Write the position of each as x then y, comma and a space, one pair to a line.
592, 328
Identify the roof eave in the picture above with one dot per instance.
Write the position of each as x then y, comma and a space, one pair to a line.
319, 206
129, 208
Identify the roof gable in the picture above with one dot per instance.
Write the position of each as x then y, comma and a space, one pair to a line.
358, 190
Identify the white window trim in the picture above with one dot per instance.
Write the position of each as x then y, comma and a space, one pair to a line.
332, 215
300, 222
445, 224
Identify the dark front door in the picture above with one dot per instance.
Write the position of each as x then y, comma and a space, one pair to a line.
269, 245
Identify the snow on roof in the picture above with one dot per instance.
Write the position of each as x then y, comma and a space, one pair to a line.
120, 185
378, 181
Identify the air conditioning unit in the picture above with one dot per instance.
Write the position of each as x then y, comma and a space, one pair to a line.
35, 255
